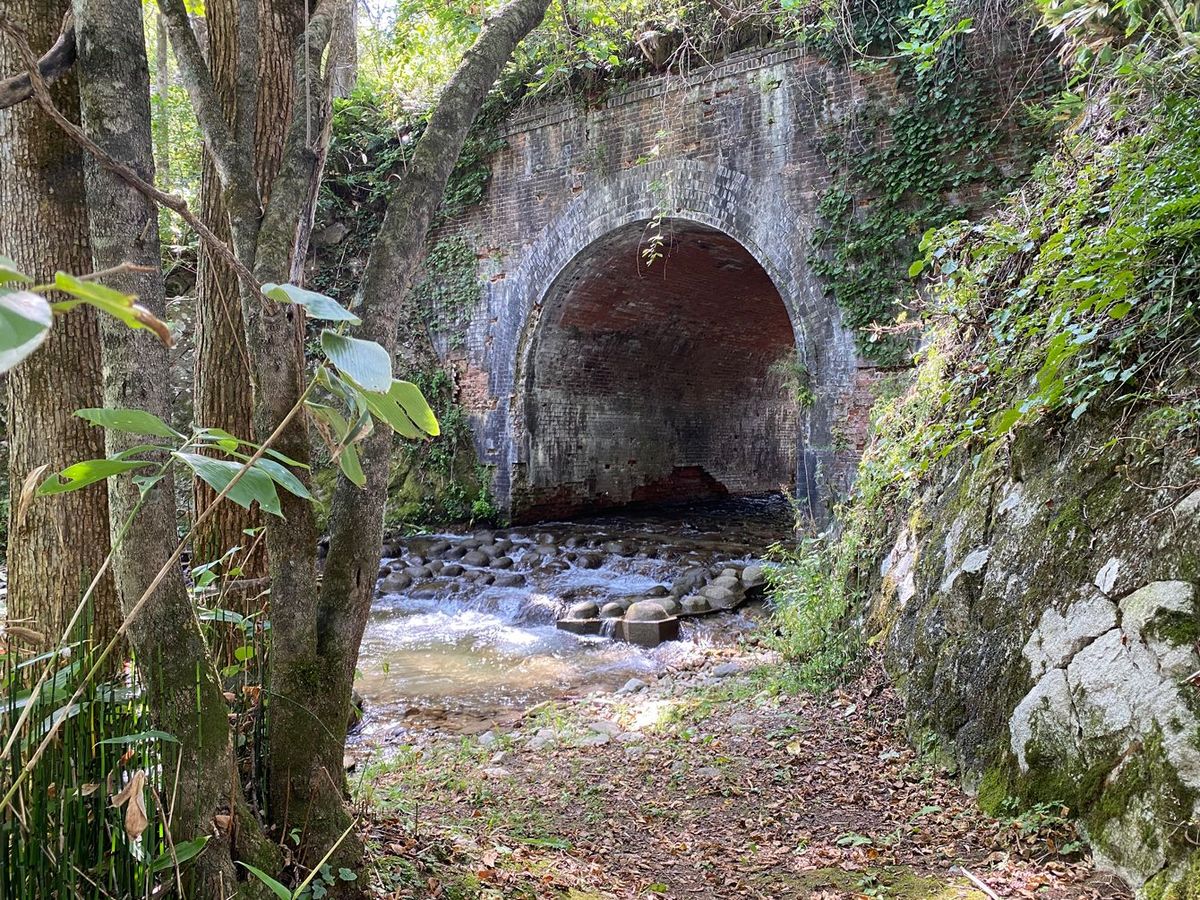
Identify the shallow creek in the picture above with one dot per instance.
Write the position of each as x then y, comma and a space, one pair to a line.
446, 649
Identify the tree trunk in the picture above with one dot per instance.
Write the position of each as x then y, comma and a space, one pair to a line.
185, 695
222, 394
356, 522
343, 51
56, 544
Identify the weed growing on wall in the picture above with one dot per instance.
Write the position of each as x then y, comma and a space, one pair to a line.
449, 289
920, 159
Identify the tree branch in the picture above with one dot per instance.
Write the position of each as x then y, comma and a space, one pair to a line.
56, 62
234, 164
41, 95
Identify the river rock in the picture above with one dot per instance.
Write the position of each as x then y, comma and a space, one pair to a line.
612, 611
724, 670
721, 596
585, 610
544, 537
617, 548
418, 573
670, 605
753, 576
395, 582
502, 562
476, 558
485, 578
588, 561
425, 590
646, 611
455, 552
503, 545
695, 604
632, 686
729, 573
453, 570
659, 590
688, 582
509, 579
437, 548
484, 537
435, 566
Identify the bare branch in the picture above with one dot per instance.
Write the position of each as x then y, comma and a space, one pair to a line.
41, 94
234, 164
55, 63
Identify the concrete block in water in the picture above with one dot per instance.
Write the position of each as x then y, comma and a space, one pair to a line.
580, 626
649, 634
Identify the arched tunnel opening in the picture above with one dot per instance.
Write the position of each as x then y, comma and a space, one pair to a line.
658, 380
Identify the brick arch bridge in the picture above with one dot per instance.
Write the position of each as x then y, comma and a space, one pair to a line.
593, 379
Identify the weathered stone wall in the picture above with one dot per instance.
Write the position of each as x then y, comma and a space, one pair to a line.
737, 149
1045, 597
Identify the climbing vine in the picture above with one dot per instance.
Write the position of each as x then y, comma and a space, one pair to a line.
921, 157
449, 289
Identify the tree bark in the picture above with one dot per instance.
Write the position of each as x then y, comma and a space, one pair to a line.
53, 65
185, 694
356, 521
56, 544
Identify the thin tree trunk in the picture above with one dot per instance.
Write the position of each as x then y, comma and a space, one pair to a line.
185, 694
343, 51
221, 390
56, 544
162, 86
356, 522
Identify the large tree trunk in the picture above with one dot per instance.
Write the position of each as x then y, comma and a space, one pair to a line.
356, 522
185, 695
56, 544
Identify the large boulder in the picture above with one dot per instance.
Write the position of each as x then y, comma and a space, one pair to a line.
646, 611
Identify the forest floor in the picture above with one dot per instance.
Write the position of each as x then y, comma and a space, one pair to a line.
708, 783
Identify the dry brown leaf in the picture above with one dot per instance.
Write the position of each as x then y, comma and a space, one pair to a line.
28, 488
133, 798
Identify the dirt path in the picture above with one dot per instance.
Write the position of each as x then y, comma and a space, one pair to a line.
711, 784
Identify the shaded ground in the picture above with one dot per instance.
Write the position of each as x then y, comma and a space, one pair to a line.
710, 783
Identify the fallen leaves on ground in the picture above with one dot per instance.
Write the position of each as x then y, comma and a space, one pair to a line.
703, 787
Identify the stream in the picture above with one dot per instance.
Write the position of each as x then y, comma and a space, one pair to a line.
462, 633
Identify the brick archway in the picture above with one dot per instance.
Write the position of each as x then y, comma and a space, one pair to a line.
752, 214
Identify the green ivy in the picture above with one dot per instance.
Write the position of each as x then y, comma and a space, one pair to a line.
899, 168
449, 289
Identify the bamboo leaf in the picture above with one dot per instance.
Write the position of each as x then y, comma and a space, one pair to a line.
364, 362
81, 474
409, 396
130, 421
255, 486
150, 735
285, 479
316, 306
183, 852
116, 304
25, 320
279, 890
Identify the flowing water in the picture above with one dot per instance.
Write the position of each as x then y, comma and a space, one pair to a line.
452, 652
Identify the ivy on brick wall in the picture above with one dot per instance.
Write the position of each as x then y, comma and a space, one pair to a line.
920, 158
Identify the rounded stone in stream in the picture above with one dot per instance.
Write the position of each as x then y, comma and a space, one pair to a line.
695, 604
437, 547
395, 582
646, 611
543, 537
617, 548
753, 576
729, 573
688, 582
587, 561
417, 573
485, 578
435, 566
484, 537
453, 570
612, 611
455, 553
503, 545
720, 596
585, 610
426, 589
502, 562
509, 579
669, 604
476, 558
658, 590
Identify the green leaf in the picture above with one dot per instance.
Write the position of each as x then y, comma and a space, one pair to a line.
25, 320
81, 474
183, 852
254, 486
132, 421
139, 737
316, 306
116, 304
9, 272
365, 362
349, 463
916, 268
409, 396
243, 653
387, 410
285, 479
279, 890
